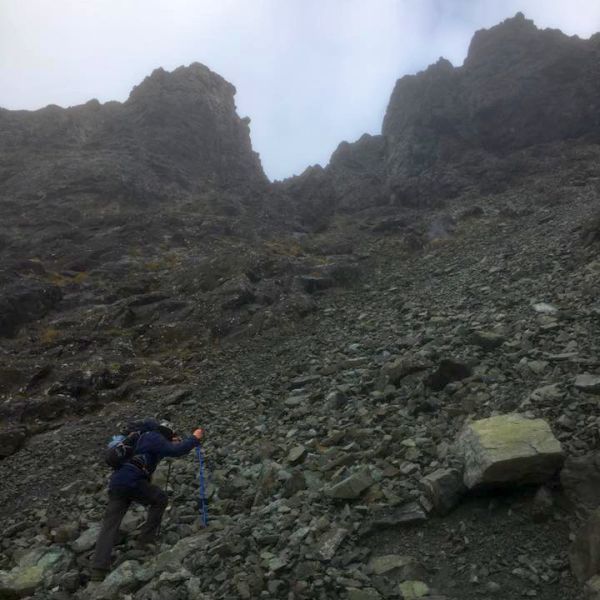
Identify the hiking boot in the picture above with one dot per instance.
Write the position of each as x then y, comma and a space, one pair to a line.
144, 540
146, 543
98, 574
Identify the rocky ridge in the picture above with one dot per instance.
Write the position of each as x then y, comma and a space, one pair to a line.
337, 365
520, 97
177, 134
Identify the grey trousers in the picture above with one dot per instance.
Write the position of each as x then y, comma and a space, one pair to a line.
119, 501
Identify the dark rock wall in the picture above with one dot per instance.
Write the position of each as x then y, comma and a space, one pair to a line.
178, 133
446, 130
519, 86
450, 129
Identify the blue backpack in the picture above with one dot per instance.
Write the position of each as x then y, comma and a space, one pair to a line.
121, 448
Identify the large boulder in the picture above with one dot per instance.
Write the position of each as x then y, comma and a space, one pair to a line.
129, 576
508, 450
33, 570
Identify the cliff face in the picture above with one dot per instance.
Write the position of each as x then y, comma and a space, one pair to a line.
448, 129
178, 133
518, 86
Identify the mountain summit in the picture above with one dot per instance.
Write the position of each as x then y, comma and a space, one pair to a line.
177, 134
450, 129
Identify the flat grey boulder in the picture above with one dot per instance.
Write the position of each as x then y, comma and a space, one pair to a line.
508, 450
129, 576
588, 383
87, 540
32, 571
351, 487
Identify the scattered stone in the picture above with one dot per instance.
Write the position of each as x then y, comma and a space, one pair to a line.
296, 454
543, 505
580, 478
546, 393
444, 488
65, 533
311, 284
330, 542
413, 590
351, 487
394, 372
508, 450
294, 484
544, 308
11, 440
380, 565
488, 340
588, 383
448, 371
25, 301
32, 571
174, 556
395, 516
592, 588
584, 554
126, 578
303, 381
363, 594
87, 540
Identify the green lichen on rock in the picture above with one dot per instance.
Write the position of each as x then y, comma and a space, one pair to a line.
509, 449
31, 572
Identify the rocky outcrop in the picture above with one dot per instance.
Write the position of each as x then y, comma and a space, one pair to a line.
518, 86
177, 134
25, 301
450, 129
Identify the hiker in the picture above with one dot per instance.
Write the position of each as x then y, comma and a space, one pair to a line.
131, 483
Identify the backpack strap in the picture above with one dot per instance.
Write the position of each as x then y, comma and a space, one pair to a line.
138, 460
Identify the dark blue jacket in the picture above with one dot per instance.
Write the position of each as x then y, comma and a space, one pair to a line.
151, 447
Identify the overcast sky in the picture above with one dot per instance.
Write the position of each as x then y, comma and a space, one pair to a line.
309, 73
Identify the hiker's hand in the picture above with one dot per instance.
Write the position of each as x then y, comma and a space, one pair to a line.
199, 433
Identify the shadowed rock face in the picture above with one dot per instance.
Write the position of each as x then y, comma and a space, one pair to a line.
24, 302
178, 133
449, 129
519, 86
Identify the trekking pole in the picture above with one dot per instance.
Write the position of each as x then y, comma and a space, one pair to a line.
168, 477
203, 503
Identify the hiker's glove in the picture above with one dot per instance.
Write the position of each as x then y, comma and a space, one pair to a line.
198, 434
